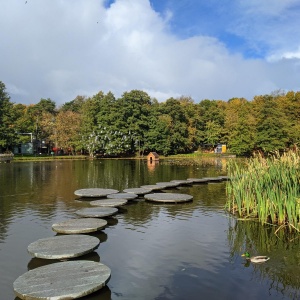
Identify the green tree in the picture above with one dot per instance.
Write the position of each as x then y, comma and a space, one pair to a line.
212, 133
132, 116
290, 105
271, 124
240, 126
89, 138
212, 115
192, 115
173, 115
7, 131
45, 105
74, 105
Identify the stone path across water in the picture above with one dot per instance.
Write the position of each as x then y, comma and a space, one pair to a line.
63, 246
75, 279
81, 225
63, 280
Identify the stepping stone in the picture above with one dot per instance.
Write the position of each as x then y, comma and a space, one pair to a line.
97, 212
109, 202
153, 187
82, 225
128, 196
224, 177
168, 184
62, 280
182, 182
213, 179
168, 197
94, 192
63, 246
137, 191
198, 180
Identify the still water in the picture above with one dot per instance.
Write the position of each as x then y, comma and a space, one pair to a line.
155, 251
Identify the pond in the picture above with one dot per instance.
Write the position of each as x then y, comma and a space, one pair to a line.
155, 251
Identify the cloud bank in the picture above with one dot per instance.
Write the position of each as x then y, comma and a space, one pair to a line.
59, 49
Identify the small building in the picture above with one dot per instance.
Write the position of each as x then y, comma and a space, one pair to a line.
221, 148
152, 157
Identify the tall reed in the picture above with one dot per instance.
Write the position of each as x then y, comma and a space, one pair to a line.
267, 189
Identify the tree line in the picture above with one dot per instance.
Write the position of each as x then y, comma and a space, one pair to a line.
137, 123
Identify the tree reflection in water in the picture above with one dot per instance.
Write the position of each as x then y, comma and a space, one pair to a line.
283, 269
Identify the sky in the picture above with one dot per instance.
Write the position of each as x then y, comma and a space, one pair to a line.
203, 49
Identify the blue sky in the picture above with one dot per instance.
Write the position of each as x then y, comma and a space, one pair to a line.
209, 49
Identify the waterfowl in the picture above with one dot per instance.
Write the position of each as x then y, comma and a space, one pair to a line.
255, 259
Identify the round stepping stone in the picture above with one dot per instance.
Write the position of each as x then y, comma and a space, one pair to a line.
109, 202
198, 180
213, 179
168, 184
96, 212
168, 197
94, 192
224, 177
63, 246
137, 191
128, 196
63, 280
83, 225
182, 182
152, 187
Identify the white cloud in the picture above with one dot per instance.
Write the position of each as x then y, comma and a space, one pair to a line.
61, 49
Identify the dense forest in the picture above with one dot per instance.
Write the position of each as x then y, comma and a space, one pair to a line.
136, 123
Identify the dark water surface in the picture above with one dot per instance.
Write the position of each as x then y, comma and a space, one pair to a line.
155, 251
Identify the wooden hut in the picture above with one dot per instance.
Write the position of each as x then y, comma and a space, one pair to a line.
152, 157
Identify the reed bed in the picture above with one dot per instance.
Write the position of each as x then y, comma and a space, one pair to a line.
267, 189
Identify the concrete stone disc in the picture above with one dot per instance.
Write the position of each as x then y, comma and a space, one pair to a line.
63, 246
82, 225
168, 184
97, 212
225, 178
182, 182
168, 197
152, 187
63, 280
198, 180
213, 179
94, 192
109, 202
128, 196
137, 191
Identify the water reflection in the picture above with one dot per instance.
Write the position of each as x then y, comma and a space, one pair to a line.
283, 268
155, 251
39, 262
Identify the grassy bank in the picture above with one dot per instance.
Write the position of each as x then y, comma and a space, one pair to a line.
47, 157
267, 189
